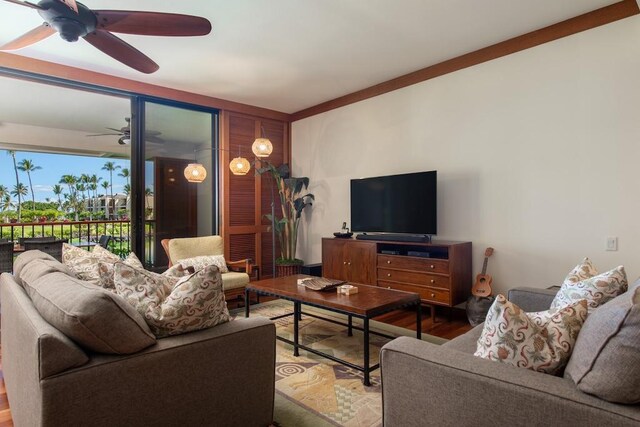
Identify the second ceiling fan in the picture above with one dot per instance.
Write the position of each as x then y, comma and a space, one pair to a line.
72, 20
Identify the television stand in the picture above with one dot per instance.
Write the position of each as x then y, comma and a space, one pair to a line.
420, 238
439, 271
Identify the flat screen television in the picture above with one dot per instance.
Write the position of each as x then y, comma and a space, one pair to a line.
404, 203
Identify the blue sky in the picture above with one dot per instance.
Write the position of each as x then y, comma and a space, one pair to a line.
53, 167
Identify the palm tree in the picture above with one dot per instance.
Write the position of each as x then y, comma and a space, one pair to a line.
5, 202
110, 167
105, 185
58, 190
70, 181
20, 190
5, 198
125, 174
127, 189
15, 169
27, 166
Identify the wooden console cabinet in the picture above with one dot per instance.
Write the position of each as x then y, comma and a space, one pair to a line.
441, 275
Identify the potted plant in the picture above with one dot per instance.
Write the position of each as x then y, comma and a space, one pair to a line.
292, 203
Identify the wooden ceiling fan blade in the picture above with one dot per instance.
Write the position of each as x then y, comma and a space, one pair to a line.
152, 23
105, 134
121, 51
26, 3
115, 130
71, 3
27, 39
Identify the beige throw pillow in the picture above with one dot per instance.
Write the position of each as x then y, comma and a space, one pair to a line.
201, 262
606, 359
597, 290
106, 270
511, 336
84, 263
194, 302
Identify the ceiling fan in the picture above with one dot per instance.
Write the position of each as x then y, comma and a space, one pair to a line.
124, 133
72, 20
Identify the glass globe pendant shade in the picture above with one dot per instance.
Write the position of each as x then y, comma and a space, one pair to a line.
195, 172
262, 147
239, 166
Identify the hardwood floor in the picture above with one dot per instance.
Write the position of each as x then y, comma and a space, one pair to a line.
444, 327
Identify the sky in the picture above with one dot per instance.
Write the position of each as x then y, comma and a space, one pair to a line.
53, 167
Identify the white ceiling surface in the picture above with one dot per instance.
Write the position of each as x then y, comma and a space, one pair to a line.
288, 55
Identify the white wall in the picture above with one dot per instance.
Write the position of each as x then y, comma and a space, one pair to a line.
537, 155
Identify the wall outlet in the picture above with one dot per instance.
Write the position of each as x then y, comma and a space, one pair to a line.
612, 244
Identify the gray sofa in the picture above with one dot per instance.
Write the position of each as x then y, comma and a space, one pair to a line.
426, 384
222, 376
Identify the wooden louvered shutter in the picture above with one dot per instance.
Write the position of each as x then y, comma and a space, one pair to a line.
245, 199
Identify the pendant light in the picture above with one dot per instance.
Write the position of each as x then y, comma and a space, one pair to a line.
262, 146
195, 172
239, 165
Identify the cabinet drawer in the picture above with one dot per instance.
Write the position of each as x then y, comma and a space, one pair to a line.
437, 296
414, 277
413, 263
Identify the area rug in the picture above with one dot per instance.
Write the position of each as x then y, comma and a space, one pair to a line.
315, 391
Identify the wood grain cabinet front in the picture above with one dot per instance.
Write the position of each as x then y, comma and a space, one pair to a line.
442, 275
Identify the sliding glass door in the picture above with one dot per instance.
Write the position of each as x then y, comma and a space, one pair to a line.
177, 180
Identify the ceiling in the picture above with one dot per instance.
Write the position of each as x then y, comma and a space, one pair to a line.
288, 55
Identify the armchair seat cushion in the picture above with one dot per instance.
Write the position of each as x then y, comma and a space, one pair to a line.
234, 280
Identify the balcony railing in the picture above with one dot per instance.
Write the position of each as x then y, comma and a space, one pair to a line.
79, 232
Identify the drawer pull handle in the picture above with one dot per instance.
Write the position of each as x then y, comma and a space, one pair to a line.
432, 266
349, 263
433, 281
388, 287
388, 262
433, 295
344, 262
388, 274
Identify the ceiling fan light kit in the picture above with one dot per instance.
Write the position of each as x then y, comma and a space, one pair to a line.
73, 20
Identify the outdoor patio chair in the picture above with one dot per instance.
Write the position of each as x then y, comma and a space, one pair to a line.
6, 256
23, 240
51, 247
104, 241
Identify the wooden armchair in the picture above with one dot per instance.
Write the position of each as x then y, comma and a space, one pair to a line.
233, 282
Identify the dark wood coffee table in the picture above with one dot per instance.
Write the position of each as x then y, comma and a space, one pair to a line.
369, 302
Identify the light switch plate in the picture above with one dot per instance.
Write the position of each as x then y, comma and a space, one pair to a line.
612, 244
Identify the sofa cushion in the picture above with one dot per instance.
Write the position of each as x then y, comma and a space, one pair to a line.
466, 343
96, 319
200, 262
597, 290
510, 336
40, 267
84, 263
195, 302
195, 246
24, 259
606, 359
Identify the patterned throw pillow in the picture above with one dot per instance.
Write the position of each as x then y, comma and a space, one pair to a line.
201, 262
596, 290
582, 271
106, 270
511, 336
85, 264
194, 302
178, 271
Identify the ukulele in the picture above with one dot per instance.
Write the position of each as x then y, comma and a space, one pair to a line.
482, 287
